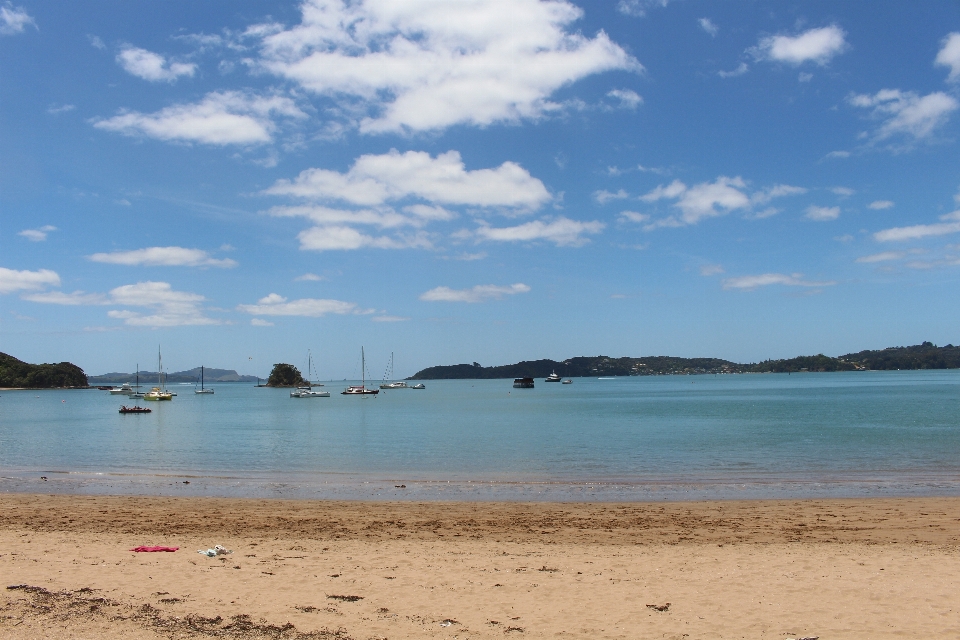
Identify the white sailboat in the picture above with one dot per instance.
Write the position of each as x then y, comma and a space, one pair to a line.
307, 391
394, 384
202, 390
360, 390
159, 392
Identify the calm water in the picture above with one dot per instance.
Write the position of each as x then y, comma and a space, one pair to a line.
672, 437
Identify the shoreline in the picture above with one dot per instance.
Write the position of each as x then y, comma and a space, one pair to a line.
341, 570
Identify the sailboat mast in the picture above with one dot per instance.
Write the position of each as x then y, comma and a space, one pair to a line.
363, 369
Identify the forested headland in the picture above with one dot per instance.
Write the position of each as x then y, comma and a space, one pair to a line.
17, 374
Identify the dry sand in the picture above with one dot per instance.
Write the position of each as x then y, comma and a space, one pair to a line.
869, 568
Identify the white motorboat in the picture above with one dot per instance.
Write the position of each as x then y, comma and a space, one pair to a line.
553, 377
399, 384
361, 389
202, 390
567, 381
123, 390
419, 385
307, 392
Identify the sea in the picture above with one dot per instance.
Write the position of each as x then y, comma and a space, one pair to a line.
696, 437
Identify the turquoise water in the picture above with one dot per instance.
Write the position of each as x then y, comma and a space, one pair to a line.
670, 437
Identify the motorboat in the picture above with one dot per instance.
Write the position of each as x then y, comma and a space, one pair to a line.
361, 389
202, 390
567, 381
400, 384
125, 409
418, 386
523, 383
123, 390
553, 377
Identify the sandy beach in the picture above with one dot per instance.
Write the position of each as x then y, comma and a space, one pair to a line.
865, 568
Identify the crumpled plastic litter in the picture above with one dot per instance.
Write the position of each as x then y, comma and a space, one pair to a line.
216, 551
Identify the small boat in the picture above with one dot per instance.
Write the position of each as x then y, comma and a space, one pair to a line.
158, 393
567, 381
360, 390
307, 392
523, 383
553, 377
418, 386
126, 409
202, 390
123, 390
399, 384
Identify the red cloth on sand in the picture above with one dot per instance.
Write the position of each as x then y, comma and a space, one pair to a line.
145, 549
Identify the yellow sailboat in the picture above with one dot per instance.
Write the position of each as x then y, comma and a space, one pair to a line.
159, 393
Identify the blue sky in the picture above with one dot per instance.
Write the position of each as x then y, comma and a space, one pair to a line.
475, 181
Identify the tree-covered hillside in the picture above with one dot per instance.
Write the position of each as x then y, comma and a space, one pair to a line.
18, 374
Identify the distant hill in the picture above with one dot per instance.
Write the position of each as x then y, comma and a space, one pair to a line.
190, 375
18, 374
922, 356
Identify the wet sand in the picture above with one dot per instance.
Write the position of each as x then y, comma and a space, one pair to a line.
862, 568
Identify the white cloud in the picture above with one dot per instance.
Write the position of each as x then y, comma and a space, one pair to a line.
309, 277
711, 270
815, 45
258, 322
628, 99
341, 238
741, 69
12, 280
880, 204
752, 282
276, 305
702, 200
169, 308
915, 232
389, 319
885, 256
479, 293
67, 299
64, 108
633, 216
906, 113
163, 257
603, 196
561, 231
221, 118
804, 77
949, 56
376, 179
638, 8
37, 235
769, 212
96, 42
763, 196
707, 25
838, 154
822, 214
428, 65
152, 66
383, 217
14, 20
843, 191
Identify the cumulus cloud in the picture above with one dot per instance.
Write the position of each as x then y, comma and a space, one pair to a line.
152, 66
711, 199
561, 231
603, 196
822, 214
309, 277
628, 99
12, 280
422, 66
748, 283
221, 118
276, 305
884, 256
163, 257
638, 8
741, 69
949, 225
880, 204
949, 56
167, 307
815, 45
843, 191
633, 216
37, 235
14, 20
479, 293
904, 113
707, 25
342, 238
376, 179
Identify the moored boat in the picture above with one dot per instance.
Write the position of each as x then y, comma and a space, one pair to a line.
523, 383
361, 389
418, 386
553, 377
202, 390
567, 381
126, 409
123, 390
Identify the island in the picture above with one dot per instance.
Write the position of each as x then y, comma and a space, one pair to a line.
286, 375
16, 374
923, 356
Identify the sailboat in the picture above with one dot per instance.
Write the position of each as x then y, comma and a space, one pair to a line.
136, 395
307, 391
362, 389
395, 384
202, 390
159, 392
